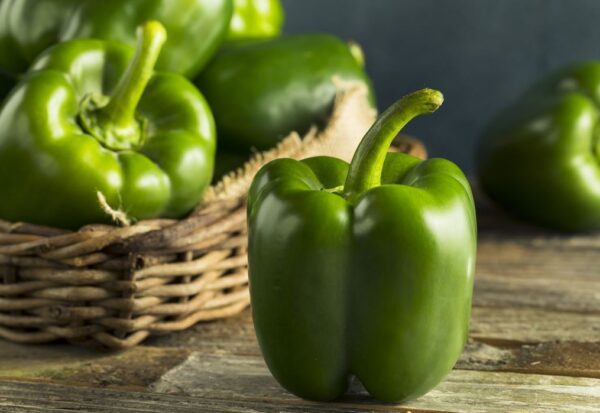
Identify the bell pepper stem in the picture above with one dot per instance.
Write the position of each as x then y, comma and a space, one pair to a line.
367, 163
112, 120
124, 100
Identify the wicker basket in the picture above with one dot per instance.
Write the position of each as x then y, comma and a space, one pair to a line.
117, 285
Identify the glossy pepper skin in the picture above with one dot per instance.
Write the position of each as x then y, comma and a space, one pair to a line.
540, 158
196, 28
256, 19
289, 81
363, 269
88, 120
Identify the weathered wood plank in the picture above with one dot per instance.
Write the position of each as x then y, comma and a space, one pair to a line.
245, 378
518, 260
531, 325
554, 295
132, 369
505, 339
546, 275
28, 397
552, 358
234, 385
526, 325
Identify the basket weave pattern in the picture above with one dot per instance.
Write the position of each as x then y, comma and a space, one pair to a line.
117, 285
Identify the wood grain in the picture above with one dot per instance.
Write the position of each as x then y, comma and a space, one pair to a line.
239, 385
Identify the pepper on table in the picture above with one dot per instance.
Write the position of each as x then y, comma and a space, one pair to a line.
540, 157
90, 120
363, 269
196, 28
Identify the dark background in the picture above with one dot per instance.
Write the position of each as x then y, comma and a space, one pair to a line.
480, 53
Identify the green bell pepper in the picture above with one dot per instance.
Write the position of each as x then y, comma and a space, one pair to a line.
89, 120
196, 28
289, 82
363, 269
256, 19
540, 158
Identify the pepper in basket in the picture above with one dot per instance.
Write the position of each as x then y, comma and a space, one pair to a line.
92, 125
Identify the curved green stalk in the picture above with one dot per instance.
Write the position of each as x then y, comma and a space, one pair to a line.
367, 163
115, 123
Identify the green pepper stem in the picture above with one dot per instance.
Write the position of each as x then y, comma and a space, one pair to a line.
367, 163
123, 103
112, 120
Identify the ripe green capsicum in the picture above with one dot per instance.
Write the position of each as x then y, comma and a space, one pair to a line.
256, 19
540, 158
196, 28
363, 269
87, 119
261, 90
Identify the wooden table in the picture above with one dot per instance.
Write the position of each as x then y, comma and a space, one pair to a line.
534, 347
